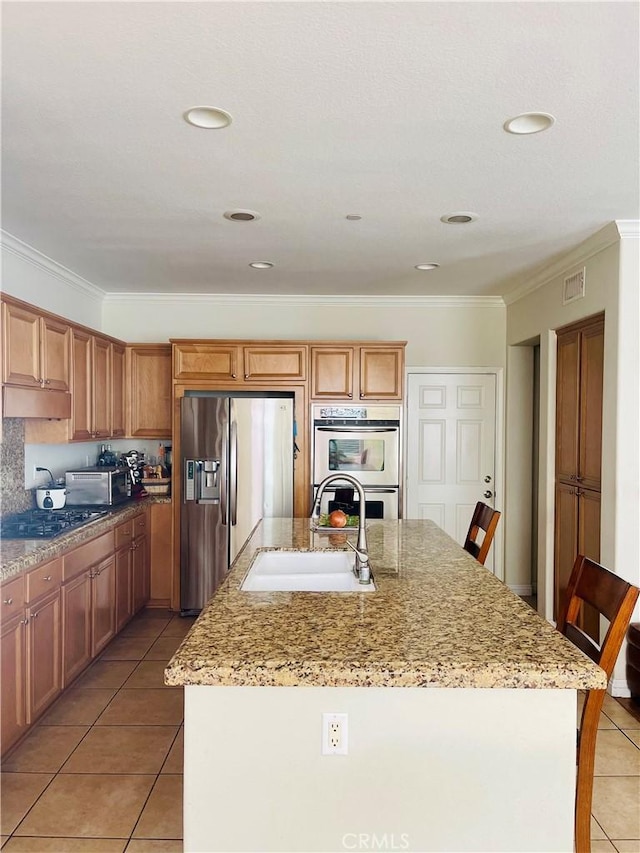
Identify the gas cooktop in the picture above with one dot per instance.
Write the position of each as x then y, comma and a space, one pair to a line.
45, 523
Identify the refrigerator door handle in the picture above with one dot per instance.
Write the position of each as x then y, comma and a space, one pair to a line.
224, 480
233, 471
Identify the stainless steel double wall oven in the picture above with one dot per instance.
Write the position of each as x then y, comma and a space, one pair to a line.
363, 441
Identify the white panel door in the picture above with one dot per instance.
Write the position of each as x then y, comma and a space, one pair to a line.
451, 428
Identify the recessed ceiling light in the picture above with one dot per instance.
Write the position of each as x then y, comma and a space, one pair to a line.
241, 215
261, 265
427, 266
459, 218
210, 118
529, 123
352, 217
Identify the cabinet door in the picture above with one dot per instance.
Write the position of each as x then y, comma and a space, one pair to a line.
101, 388
12, 672
76, 626
381, 373
161, 555
55, 341
332, 373
567, 405
566, 537
44, 668
283, 364
150, 391
81, 386
21, 356
118, 388
124, 590
103, 604
589, 545
140, 572
206, 361
591, 381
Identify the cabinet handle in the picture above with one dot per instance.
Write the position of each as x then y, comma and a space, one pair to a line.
24, 621
349, 396
233, 376
46, 578
34, 615
247, 376
8, 601
47, 382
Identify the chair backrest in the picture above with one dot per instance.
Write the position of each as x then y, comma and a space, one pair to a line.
611, 596
483, 518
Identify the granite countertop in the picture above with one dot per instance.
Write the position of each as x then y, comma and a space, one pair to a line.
18, 555
437, 619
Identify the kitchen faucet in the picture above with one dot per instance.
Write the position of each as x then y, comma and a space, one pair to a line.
361, 568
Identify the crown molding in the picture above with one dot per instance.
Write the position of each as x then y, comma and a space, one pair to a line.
27, 253
310, 300
628, 229
602, 239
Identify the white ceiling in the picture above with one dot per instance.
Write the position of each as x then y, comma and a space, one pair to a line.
390, 110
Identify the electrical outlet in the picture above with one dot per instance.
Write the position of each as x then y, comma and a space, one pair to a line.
335, 734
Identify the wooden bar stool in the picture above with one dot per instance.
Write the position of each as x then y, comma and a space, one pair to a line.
614, 599
484, 518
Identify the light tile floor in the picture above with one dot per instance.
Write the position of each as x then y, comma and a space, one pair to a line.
102, 771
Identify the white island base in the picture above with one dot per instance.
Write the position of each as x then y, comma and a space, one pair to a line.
439, 769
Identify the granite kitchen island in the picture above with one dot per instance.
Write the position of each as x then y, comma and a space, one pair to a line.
461, 705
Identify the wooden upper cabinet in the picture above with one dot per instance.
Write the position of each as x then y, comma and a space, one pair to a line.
332, 373
81, 386
101, 387
21, 356
36, 349
149, 380
118, 390
381, 373
55, 348
205, 361
359, 372
274, 363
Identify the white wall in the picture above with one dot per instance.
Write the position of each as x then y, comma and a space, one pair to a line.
29, 275
440, 333
611, 263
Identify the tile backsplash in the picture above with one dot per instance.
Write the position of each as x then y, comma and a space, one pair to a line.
13, 495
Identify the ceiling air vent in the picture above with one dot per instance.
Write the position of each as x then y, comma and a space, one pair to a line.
573, 287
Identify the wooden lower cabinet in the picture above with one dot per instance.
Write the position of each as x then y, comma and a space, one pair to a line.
140, 572
160, 555
124, 586
44, 646
103, 605
76, 626
13, 674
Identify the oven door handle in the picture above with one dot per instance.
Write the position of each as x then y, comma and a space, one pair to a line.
357, 429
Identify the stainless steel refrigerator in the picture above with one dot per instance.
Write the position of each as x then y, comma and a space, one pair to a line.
237, 467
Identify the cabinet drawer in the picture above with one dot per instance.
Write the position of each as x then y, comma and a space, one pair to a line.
43, 579
124, 534
140, 524
87, 555
12, 597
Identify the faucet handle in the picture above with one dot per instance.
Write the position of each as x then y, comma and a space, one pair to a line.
362, 555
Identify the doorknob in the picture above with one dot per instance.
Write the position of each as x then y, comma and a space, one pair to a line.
487, 479
488, 494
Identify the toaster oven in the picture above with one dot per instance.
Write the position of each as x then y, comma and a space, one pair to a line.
99, 486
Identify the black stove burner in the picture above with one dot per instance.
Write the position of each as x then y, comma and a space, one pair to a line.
45, 523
